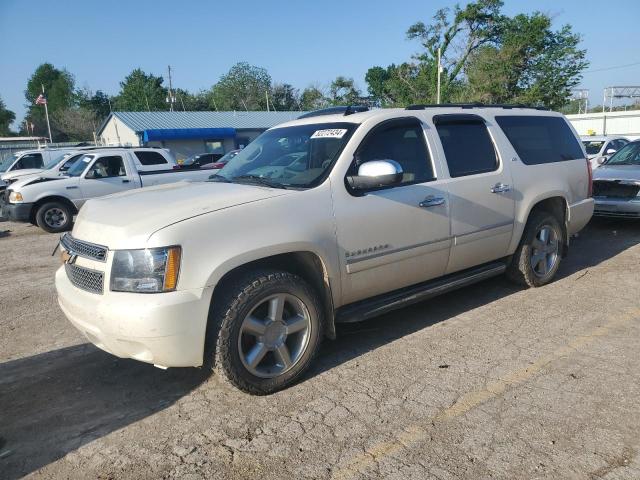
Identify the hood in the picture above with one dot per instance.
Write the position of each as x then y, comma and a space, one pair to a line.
617, 172
20, 173
128, 219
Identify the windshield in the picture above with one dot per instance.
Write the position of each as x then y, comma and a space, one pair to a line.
627, 155
290, 156
80, 166
228, 156
7, 162
591, 147
55, 159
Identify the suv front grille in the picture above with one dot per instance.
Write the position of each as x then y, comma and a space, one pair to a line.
83, 249
84, 278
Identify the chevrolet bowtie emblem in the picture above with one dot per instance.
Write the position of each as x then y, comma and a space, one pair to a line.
68, 257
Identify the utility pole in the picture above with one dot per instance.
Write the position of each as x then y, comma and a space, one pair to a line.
171, 98
439, 73
266, 94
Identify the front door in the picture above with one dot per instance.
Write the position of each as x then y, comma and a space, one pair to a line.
392, 237
106, 175
480, 191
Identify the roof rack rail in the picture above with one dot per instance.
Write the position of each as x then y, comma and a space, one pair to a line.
506, 106
344, 109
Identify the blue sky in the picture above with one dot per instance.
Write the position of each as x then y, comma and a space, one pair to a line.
299, 42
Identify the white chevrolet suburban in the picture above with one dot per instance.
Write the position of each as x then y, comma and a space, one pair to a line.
329, 218
51, 199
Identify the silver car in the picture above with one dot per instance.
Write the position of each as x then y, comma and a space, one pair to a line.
616, 184
600, 147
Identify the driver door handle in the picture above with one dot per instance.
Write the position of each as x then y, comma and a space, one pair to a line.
500, 188
431, 201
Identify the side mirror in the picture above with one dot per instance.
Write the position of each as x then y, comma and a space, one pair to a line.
376, 173
601, 160
91, 174
610, 151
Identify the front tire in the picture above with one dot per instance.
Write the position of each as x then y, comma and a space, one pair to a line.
54, 217
538, 256
268, 327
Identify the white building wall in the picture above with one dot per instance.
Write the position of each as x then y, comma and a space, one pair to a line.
608, 123
116, 132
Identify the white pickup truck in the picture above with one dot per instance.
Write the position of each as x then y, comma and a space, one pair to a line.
30, 161
325, 219
51, 200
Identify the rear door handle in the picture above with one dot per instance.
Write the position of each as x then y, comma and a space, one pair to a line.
500, 188
431, 201
125, 181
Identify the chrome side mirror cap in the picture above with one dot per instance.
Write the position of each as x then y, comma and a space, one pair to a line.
610, 151
375, 174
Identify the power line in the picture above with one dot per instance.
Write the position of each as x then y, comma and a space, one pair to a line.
612, 68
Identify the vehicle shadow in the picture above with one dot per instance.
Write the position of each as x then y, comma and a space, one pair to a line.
55, 402
600, 240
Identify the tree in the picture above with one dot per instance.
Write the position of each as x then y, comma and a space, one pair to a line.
99, 102
76, 124
312, 98
191, 102
59, 89
529, 64
344, 92
284, 97
141, 92
6, 118
457, 34
243, 87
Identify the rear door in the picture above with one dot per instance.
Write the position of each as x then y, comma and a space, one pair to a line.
480, 191
107, 174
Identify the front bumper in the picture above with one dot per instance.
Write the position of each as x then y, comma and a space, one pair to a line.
16, 212
165, 329
619, 208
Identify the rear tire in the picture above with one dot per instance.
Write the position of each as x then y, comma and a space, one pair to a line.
265, 329
54, 217
538, 256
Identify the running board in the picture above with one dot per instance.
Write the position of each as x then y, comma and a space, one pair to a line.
372, 307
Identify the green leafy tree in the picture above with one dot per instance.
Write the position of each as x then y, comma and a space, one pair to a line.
312, 98
99, 102
59, 90
243, 87
343, 91
191, 102
141, 92
6, 118
284, 97
76, 124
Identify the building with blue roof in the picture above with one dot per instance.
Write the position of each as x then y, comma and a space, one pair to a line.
188, 133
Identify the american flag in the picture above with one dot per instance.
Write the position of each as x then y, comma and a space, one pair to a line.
41, 100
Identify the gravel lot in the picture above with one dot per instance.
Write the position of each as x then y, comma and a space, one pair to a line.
488, 382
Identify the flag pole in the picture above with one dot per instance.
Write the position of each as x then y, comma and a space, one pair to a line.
46, 112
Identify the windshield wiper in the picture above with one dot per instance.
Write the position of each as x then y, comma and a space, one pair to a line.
218, 178
259, 180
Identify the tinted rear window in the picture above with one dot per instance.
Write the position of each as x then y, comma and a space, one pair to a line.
540, 139
150, 158
466, 144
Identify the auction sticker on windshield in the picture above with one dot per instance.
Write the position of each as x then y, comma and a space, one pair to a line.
329, 133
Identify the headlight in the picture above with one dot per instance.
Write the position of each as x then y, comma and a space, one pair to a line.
152, 270
15, 197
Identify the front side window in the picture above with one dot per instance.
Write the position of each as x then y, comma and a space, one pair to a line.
401, 140
467, 146
539, 139
55, 159
31, 160
107, 167
299, 156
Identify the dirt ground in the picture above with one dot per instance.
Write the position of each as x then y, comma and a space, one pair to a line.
491, 381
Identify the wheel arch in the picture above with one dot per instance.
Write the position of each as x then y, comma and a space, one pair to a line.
554, 203
51, 198
304, 263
